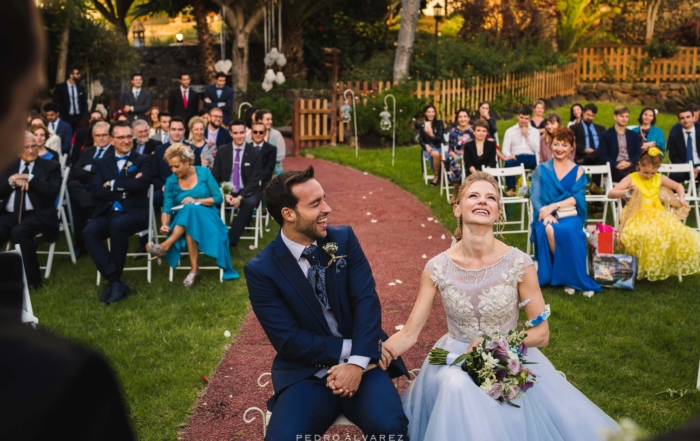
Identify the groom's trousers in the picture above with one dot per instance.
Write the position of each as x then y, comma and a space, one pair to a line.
309, 408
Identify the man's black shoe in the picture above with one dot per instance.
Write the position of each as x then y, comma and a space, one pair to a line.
119, 291
107, 293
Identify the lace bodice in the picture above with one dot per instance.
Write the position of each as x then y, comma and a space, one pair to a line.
481, 301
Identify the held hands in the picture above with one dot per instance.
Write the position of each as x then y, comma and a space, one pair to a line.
344, 379
20, 180
546, 211
389, 354
549, 219
476, 341
233, 201
623, 165
189, 200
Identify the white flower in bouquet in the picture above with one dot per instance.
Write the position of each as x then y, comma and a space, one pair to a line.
227, 187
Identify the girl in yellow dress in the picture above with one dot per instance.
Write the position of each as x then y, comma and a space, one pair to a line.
663, 246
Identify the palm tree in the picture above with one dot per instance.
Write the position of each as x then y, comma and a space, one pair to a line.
115, 12
296, 13
581, 24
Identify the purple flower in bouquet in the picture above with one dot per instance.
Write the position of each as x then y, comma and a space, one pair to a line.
514, 365
523, 349
527, 386
496, 391
513, 392
491, 345
501, 374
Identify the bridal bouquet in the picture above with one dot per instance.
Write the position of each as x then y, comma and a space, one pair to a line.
496, 365
227, 187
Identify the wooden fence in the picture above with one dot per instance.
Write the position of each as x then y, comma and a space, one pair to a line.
620, 63
318, 122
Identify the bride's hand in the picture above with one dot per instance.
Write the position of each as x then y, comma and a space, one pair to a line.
476, 341
388, 355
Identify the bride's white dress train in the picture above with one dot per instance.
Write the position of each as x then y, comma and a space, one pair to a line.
444, 404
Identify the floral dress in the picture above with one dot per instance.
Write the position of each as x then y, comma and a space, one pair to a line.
457, 140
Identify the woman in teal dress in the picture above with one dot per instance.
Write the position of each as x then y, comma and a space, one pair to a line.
190, 216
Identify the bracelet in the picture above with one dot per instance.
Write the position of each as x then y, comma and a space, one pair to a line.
539, 319
628, 194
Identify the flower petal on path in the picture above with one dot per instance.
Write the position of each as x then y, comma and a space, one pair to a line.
374, 221
398, 327
430, 219
442, 237
392, 284
424, 256
430, 237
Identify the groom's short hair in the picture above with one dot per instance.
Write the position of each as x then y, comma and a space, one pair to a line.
278, 193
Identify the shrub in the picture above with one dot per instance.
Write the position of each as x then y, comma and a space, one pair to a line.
691, 95
661, 49
688, 34
281, 108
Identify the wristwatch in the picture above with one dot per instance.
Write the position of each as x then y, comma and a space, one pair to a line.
558, 205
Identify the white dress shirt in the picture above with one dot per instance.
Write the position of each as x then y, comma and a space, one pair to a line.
10, 207
297, 249
514, 143
136, 92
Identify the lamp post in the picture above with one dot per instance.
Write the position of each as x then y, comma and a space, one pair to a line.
437, 14
385, 124
345, 117
240, 108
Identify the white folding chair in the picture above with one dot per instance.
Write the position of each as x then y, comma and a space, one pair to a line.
607, 184
426, 162
525, 207
221, 271
152, 234
63, 219
691, 191
27, 310
445, 182
257, 229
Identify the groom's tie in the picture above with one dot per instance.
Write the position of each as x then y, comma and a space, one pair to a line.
316, 274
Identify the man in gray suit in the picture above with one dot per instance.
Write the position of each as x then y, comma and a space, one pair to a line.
137, 101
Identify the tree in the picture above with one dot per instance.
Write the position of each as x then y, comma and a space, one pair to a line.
581, 23
652, 14
549, 18
296, 13
66, 13
115, 12
407, 35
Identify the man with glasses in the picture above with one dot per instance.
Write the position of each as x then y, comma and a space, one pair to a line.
71, 99
120, 191
214, 132
81, 176
267, 151
143, 145
29, 189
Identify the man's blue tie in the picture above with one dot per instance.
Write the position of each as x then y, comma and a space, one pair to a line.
316, 274
99, 154
689, 148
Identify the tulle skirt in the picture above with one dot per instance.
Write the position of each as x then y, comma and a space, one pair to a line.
444, 404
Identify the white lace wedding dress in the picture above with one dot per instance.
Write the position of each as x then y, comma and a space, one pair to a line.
444, 404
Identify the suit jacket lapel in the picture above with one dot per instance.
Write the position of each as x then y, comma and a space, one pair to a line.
297, 279
331, 288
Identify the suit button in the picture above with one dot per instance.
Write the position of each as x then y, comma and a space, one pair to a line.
345, 360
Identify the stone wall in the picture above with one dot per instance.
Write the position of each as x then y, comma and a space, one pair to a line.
630, 25
633, 93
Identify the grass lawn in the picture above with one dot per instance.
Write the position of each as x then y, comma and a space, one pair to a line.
622, 349
161, 339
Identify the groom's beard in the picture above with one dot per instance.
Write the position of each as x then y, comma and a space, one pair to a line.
307, 227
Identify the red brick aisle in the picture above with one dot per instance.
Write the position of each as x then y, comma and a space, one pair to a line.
394, 244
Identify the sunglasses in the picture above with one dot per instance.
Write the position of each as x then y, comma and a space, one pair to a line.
257, 132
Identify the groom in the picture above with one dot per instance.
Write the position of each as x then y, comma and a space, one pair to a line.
320, 310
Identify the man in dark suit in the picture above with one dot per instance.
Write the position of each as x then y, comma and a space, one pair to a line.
120, 190
321, 314
619, 146
71, 99
82, 175
214, 132
161, 170
29, 189
183, 101
143, 145
587, 136
683, 145
137, 101
219, 96
241, 164
267, 151
59, 127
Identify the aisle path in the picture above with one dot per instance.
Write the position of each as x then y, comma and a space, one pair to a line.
394, 244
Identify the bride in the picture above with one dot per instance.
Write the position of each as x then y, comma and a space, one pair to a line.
483, 282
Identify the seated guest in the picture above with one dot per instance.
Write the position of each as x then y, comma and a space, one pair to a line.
272, 136
52, 141
551, 123
204, 114
575, 114
219, 96
649, 134
40, 133
120, 191
215, 132
587, 135
197, 139
683, 144
81, 176
196, 226
59, 127
161, 172
241, 164
537, 121
484, 113
162, 134
430, 138
80, 139
459, 136
620, 146
558, 195
29, 189
480, 152
267, 151
153, 119
521, 145
143, 145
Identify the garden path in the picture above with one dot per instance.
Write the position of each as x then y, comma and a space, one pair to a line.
398, 245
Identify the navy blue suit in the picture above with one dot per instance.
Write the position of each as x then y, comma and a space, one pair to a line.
222, 136
677, 151
609, 149
132, 194
286, 306
226, 97
64, 131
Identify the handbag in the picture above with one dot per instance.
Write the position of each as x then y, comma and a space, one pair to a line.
565, 212
615, 270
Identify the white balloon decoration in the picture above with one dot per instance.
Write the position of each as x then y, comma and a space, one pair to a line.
270, 75
267, 86
281, 60
279, 79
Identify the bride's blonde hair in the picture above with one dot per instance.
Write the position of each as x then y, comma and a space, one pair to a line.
474, 177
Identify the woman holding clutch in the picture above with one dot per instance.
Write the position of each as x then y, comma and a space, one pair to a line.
558, 196
190, 216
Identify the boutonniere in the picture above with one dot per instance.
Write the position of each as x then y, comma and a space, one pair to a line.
331, 248
129, 166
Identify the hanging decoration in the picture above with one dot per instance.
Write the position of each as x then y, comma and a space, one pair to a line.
346, 117
272, 30
386, 124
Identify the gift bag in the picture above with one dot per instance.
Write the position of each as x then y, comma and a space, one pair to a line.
615, 270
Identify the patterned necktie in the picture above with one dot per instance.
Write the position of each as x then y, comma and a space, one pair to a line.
236, 175
689, 148
316, 274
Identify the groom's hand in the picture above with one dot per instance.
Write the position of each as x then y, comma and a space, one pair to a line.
344, 379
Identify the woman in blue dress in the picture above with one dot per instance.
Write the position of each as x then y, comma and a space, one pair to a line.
558, 195
190, 216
